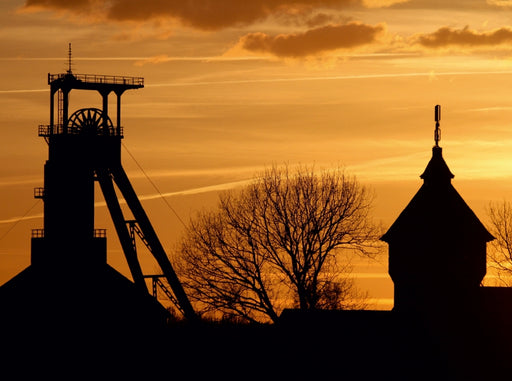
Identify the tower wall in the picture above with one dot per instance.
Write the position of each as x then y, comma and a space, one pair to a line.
69, 235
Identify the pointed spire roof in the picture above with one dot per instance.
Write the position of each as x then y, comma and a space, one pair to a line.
437, 170
437, 211
437, 208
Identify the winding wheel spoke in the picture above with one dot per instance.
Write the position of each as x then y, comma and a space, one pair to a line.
90, 121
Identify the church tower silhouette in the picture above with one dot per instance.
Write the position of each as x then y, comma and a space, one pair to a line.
437, 245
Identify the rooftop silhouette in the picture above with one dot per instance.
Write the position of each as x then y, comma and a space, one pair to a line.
444, 322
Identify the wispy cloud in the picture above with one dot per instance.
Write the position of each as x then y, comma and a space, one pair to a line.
380, 275
487, 109
21, 218
22, 91
21, 180
381, 303
245, 171
193, 191
163, 58
333, 77
146, 197
143, 60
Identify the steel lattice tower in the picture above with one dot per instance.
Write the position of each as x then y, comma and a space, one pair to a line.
85, 147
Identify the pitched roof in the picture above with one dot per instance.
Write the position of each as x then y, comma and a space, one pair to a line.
437, 169
437, 209
98, 300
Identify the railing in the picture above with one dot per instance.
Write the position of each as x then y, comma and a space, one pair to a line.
157, 283
99, 79
100, 233
39, 192
45, 130
37, 233
97, 233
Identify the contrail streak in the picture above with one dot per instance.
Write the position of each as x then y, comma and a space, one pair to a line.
298, 79
23, 91
17, 218
192, 191
326, 78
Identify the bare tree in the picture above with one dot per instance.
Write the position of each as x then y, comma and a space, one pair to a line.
338, 290
500, 253
278, 243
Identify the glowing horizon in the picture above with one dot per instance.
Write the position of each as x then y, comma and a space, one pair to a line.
230, 91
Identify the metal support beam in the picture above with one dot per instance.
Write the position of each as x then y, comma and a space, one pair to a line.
119, 93
154, 244
65, 109
52, 107
104, 95
107, 187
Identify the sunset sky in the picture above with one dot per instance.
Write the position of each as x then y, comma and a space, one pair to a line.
232, 87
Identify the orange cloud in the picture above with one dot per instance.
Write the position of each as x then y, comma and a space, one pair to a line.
445, 37
200, 14
313, 41
153, 60
60, 4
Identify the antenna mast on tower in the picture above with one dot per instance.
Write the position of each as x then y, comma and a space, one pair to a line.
437, 132
69, 59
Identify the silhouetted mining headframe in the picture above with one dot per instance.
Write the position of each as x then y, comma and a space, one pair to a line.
85, 147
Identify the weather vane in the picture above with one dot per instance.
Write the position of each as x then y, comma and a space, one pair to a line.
437, 132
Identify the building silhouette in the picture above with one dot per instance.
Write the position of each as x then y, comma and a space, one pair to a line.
437, 246
69, 294
444, 323
437, 261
